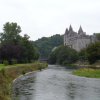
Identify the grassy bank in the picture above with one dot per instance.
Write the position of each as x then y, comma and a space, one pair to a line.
88, 72
9, 73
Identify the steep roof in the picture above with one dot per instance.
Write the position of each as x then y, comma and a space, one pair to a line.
70, 28
66, 32
80, 30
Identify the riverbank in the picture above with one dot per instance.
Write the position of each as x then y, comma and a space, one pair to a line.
86, 70
56, 83
9, 73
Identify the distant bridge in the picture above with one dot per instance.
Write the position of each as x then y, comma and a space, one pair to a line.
43, 60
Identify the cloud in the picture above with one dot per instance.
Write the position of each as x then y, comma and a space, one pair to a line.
40, 18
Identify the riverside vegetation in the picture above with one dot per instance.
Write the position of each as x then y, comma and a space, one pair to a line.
88, 72
92, 54
10, 72
16, 56
88, 57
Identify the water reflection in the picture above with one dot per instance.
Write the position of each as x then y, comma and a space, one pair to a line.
56, 83
23, 87
71, 91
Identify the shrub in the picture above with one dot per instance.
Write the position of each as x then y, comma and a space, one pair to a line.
14, 61
5, 62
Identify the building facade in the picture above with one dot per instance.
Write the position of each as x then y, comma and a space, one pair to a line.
78, 40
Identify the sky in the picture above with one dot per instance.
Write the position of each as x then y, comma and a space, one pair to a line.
44, 18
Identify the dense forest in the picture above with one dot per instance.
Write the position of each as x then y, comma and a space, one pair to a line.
46, 44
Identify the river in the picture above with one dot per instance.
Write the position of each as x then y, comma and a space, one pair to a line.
56, 83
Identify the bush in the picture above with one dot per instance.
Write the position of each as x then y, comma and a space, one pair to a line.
14, 61
5, 62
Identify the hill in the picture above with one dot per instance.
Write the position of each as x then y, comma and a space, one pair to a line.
46, 44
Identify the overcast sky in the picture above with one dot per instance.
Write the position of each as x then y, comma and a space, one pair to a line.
39, 18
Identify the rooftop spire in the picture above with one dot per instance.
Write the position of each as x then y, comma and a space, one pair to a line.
66, 32
80, 30
70, 28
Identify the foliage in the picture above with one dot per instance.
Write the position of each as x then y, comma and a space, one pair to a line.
13, 46
97, 36
63, 55
93, 52
83, 55
5, 62
53, 57
14, 61
46, 44
10, 33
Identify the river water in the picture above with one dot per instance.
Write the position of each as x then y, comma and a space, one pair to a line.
56, 83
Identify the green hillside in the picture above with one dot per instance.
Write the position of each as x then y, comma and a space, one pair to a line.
46, 44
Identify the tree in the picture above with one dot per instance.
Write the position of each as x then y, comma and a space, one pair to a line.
93, 52
63, 55
83, 55
67, 55
29, 52
97, 36
14, 46
9, 52
10, 33
53, 57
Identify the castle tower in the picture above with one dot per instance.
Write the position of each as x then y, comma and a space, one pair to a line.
70, 29
80, 31
66, 32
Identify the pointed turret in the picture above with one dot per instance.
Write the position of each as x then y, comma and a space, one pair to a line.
70, 29
66, 32
80, 30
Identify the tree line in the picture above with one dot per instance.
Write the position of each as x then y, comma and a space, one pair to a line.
14, 47
65, 55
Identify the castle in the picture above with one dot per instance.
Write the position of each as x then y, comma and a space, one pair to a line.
78, 40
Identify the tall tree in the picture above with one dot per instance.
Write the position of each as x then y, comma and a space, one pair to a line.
10, 33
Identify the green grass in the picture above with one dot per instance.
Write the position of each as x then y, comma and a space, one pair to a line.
10, 72
88, 72
15, 65
2, 66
